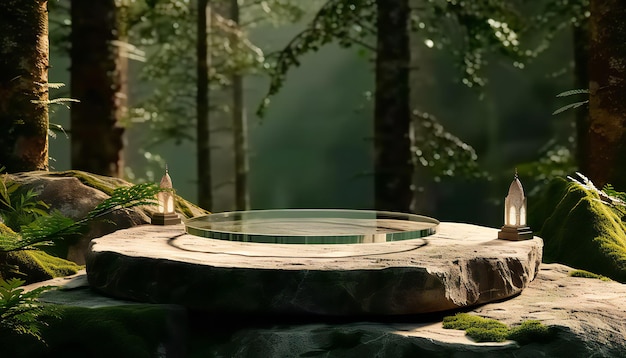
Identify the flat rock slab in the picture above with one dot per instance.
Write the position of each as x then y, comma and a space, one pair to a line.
462, 265
92, 325
587, 315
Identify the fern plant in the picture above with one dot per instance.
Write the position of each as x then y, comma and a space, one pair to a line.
17, 207
575, 104
54, 227
20, 311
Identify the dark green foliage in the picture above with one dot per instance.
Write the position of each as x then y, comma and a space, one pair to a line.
20, 311
18, 207
587, 274
579, 229
442, 152
476, 27
122, 331
169, 110
489, 330
530, 331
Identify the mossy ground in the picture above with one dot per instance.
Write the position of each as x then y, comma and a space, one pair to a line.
120, 331
489, 330
579, 230
33, 265
587, 274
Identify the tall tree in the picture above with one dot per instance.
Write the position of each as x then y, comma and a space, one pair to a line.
203, 136
99, 82
606, 136
24, 85
393, 162
479, 26
240, 127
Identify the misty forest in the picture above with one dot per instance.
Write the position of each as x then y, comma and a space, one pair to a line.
428, 107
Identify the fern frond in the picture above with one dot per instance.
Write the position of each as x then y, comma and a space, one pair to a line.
46, 228
20, 311
573, 92
55, 85
570, 106
126, 197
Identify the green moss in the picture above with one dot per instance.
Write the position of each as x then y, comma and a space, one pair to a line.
530, 331
108, 184
36, 265
579, 230
489, 330
102, 183
587, 274
120, 331
464, 321
478, 328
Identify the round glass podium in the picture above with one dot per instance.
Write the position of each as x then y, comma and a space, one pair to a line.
306, 226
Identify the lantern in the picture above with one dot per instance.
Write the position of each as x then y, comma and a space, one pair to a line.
165, 214
515, 214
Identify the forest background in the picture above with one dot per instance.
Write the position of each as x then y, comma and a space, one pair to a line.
313, 147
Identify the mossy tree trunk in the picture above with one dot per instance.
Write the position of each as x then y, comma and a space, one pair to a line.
393, 163
99, 82
24, 85
605, 160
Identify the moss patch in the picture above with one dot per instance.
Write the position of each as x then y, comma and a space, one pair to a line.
587, 274
530, 331
489, 330
120, 331
478, 328
33, 265
36, 265
579, 230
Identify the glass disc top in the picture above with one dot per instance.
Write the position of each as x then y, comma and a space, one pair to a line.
298, 226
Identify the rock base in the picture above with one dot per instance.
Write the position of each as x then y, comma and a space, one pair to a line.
462, 265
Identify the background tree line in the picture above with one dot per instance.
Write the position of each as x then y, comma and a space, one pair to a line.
405, 140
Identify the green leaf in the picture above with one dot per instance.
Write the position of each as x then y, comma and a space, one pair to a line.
570, 106
573, 92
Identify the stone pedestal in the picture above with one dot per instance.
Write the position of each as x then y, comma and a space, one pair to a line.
462, 265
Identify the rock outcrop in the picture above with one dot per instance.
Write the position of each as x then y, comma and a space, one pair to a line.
587, 317
579, 229
461, 265
75, 193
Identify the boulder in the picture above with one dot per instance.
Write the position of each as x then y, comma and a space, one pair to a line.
461, 265
75, 193
587, 318
580, 230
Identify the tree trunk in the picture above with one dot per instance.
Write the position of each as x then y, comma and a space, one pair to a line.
606, 138
99, 82
240, 130
24, 85
393, 163
203, 136
581, 74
